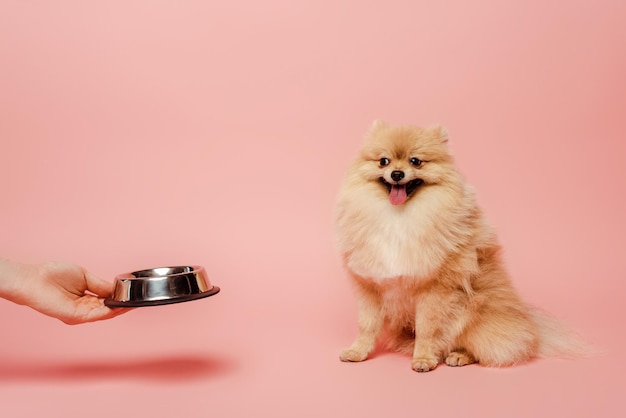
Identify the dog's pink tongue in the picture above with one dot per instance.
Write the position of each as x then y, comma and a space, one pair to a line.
397, 196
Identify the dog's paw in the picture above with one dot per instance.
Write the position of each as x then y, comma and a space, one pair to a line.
459, 358
424, 364
351, 354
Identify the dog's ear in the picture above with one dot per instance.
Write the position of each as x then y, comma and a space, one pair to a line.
378, 125
440, 133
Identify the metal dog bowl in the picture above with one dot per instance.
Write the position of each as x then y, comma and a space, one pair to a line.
160, 286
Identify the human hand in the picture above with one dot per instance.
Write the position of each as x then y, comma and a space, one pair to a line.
61, 290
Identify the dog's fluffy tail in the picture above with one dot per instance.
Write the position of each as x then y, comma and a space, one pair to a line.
557, 340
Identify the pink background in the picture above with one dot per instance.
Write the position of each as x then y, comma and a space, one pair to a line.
137, 134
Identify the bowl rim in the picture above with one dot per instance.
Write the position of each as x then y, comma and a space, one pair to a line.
195, 269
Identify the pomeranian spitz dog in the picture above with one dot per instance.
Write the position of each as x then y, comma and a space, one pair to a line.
425, 264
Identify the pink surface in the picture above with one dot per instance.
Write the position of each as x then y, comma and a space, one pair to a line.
142, 133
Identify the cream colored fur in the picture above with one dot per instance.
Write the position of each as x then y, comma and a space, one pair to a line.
428, 272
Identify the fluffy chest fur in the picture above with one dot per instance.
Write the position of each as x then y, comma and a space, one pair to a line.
381, 242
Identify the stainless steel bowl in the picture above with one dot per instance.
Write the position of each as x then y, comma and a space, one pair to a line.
160, 286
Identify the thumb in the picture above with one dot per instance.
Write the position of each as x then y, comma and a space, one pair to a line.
97, 286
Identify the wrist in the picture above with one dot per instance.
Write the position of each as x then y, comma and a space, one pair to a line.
13, 277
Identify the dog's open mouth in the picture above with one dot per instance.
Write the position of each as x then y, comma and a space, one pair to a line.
399, 193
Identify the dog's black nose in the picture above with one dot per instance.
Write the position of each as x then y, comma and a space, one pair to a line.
397, 175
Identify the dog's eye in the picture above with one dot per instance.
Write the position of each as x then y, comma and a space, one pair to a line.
384, 161
415, 161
